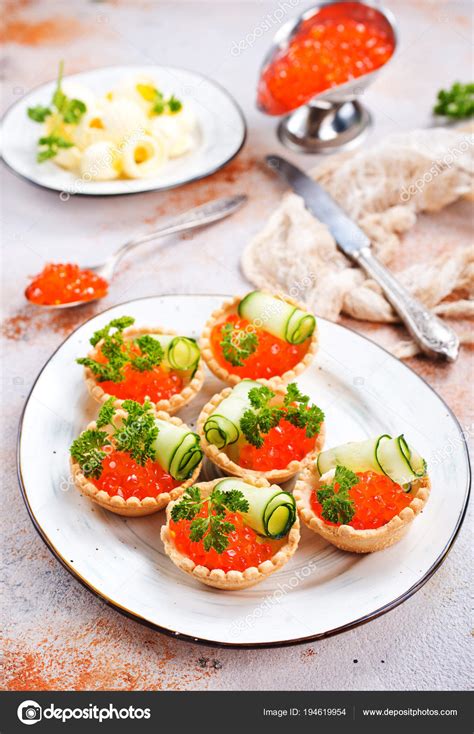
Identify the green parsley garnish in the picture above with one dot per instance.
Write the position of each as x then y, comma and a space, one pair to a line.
138, 432
50, 145
257, 422
69, 111
237, 344
106, 413
135, 435
337, 506
212, 528
160, 105
88, 451
119, 352
39, 113
456, 102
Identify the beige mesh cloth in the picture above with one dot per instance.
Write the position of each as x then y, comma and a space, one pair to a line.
383, 188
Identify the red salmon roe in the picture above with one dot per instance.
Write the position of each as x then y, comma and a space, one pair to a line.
377, 499
245, 548
65, 283
339, 43
282, 444
273, 356
122, 476
156, 384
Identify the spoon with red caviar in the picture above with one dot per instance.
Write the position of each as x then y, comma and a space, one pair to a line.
64, 285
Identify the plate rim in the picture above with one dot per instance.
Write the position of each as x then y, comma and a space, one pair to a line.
239, 645
155, 189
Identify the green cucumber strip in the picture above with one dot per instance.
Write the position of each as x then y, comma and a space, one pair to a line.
279, 318
416, 463
355, 455
394, 457
271, 512
384, 455
181, 352
177, 449
222, 428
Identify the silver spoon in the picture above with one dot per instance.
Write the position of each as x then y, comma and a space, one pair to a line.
207, 213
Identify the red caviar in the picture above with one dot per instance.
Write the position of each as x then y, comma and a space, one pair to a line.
273, 356
282, 444
65, 283
377, 500
245, 548
340, 42
122, 476
156, 384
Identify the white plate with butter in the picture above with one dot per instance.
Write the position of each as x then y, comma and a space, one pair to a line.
217, 136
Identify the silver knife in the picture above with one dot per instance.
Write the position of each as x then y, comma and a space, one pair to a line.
434, 337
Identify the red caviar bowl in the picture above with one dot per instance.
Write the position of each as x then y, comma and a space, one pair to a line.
230, 466
132, 506
232, 580
331, 51
218, 367
346, 537
186, 392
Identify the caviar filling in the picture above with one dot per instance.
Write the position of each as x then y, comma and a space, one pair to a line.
245, 548
266, 356
376, 499
122, 476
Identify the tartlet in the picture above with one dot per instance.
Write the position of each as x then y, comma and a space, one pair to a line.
346, 537
132, 506
230, 308
230, 465
230, 580
193, 381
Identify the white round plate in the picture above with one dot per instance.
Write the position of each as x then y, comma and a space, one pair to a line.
363, 390
220, 135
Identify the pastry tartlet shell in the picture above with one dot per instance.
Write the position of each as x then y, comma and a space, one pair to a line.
133, 506
348, 538
229, 580
222, 373
220, 458
170, 405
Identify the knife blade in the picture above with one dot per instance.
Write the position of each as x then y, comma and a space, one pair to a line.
435, 338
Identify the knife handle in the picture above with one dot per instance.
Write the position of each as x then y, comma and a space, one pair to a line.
433, 336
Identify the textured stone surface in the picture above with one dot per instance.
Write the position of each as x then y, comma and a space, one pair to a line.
58, 635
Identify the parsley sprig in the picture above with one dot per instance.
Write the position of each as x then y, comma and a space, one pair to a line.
88, 451
237, 344
119, 352
456, 102
334, 498
136, 435
257, 421
212, 528
160, 104
67, 110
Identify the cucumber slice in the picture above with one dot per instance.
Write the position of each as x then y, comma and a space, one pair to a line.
222, 428
355, 455
384, 454
181, 352
277, 317
177, 449
395, 457
271, 513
